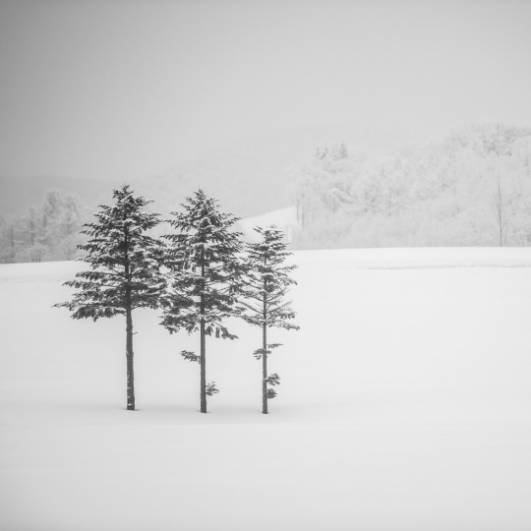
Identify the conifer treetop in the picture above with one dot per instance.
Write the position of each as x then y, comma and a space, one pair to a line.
124, 261
202, 226
203, 260
268, 280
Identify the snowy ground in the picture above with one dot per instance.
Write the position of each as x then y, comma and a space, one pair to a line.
405, 404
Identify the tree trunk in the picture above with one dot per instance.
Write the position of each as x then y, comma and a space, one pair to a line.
202, 359
129, 328
203, 365
264, 360
264, 370
129, 356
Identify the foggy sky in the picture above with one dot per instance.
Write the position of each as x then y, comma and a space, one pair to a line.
114, 89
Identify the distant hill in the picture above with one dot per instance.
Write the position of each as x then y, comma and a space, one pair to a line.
19, 194
472, 188
284, 218
241, 184
248, 177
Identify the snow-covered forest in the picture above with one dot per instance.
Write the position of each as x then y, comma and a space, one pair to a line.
48, 232
473, 189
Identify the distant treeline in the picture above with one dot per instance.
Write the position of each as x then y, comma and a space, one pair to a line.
48, 232
474, 189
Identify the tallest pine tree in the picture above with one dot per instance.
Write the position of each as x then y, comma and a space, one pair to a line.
124, 268
203, 262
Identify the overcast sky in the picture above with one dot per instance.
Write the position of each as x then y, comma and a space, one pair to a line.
109, 89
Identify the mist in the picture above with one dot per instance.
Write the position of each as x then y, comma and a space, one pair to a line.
127, 90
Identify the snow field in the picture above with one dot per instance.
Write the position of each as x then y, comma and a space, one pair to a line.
404, 404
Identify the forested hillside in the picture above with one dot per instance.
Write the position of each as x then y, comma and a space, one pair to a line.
50, 231
472, 189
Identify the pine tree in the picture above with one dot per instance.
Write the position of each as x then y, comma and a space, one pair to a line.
266, 284
124, 268
203, 263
